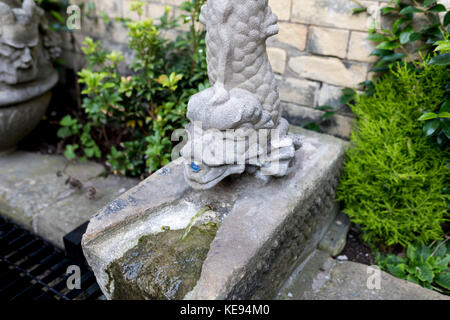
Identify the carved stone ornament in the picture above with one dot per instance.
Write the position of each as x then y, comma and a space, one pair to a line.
236, 124
26, 73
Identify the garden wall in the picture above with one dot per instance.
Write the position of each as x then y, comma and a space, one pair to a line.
320, 49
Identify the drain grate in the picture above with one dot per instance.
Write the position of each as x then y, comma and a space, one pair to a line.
33, 269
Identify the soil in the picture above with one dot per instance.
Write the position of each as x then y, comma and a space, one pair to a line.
356, 250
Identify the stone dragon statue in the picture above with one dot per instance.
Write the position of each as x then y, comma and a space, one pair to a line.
243, 103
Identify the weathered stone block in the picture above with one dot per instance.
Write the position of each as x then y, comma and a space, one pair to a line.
333, 13
298, 91
330, 96
277, 58
266, 229
292, 34
360, 48
328, 41
329, 70
335, 239
338, 125
282, 8
112, 8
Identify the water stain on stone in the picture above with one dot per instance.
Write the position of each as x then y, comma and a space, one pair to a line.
162, 266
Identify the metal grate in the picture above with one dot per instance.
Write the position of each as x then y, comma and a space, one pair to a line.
33, 269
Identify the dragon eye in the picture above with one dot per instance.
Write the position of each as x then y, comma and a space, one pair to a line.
195, 167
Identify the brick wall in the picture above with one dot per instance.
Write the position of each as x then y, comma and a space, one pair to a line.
320, 49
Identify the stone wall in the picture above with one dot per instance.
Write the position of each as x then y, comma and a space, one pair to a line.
321, 48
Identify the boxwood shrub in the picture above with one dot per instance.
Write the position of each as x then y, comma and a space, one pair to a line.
394, 183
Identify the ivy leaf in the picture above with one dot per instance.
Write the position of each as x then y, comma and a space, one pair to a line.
70, 151
64, 133
67, 121
431, 127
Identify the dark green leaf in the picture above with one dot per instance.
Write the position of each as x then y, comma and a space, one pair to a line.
438, 8
441, 60
359, 10
447, 19
388, 45
377, 37
443, 279
446, 128
431, 127
425, 273
387, 10
409, 9
405, 35
328, 115
325, 108
429, 3
381, 52
64, 133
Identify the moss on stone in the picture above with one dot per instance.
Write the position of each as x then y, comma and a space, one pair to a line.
162, 266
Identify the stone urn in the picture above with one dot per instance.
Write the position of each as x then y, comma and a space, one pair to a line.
26, 73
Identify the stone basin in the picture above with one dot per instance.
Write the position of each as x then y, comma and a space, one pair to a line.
244, 237
22, 107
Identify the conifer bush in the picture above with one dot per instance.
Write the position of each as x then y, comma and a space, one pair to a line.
394, 183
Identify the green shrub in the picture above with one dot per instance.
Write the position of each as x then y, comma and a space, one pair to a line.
128, 120
419, 33
394, 181
427, 266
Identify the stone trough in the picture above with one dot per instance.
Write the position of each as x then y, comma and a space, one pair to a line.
240, 240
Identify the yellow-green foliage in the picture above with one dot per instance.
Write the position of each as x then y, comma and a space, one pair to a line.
394, 177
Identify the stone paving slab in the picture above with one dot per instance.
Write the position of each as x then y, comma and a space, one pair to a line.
335, 239
32, 194
324, 278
